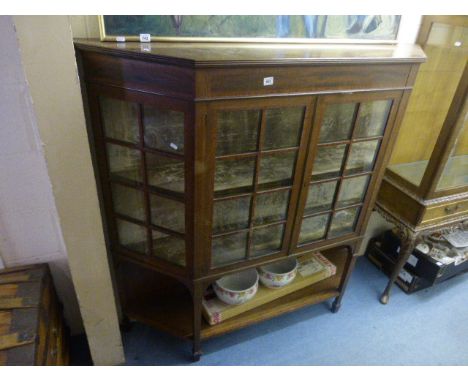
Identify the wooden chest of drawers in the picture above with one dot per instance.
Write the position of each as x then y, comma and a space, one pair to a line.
32, 330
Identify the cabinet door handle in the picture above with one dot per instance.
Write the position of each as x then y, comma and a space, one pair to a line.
451, 209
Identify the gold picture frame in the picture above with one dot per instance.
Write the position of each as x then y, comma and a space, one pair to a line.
106, 36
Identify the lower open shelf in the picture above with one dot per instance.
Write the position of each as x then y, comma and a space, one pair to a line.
172, 312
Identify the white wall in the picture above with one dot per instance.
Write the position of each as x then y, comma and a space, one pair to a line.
49, 63
49, 210
29, 225
409, 27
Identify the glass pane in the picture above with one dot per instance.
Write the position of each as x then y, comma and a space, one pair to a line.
235, 175
237, 131
455, 173
267, 240
328, 162
362, 157
229, 249
343, 222
120, 119
167, 213
169, 248
277, 169
283, 127
313, 228
320, 197
165, 173
372, 118
124, 162
271, 207
128, 201
132, 236
164, 129
231, 214
432, 95
352, 191
337, 122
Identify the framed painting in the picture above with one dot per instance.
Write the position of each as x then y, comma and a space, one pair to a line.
251, 28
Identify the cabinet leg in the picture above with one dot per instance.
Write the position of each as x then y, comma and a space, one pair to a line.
125, 324
197, 316
336, 305
407, 246
344, 281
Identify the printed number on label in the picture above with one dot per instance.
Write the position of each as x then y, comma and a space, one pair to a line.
268, 81
145, 37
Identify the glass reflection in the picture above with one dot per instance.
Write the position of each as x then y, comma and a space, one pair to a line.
164, 129
337, 122
237, 131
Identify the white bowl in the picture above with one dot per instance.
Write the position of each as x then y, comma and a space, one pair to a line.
279, 274
237, 288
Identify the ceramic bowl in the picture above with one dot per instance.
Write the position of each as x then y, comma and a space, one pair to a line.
278, 274
237, 288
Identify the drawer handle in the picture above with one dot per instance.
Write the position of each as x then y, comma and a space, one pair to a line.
451, 209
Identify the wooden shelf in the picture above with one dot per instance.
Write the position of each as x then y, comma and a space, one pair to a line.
172, 313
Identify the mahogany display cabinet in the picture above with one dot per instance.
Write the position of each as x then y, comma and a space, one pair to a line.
214, 158
425, 187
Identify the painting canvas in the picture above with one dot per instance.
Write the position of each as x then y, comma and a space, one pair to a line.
249, 27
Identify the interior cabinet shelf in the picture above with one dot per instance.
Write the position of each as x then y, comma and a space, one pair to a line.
204, 171
172, 312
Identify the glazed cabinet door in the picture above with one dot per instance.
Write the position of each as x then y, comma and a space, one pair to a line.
349, 132
257, 151
142, 144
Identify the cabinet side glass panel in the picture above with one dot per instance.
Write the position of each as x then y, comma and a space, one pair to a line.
124, 163
164, 129
433, 92
128, 201
169, 248
119, 119
165, 173
132, 236
167, 213
455, 173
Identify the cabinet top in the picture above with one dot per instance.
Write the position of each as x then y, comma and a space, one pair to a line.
235, 54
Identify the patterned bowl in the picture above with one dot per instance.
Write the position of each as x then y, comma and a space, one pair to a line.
237, 288
278, 274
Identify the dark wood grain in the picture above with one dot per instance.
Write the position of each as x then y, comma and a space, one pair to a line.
202, 81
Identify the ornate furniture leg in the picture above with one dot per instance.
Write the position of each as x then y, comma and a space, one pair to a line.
197, 295
408, 240
344, 282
